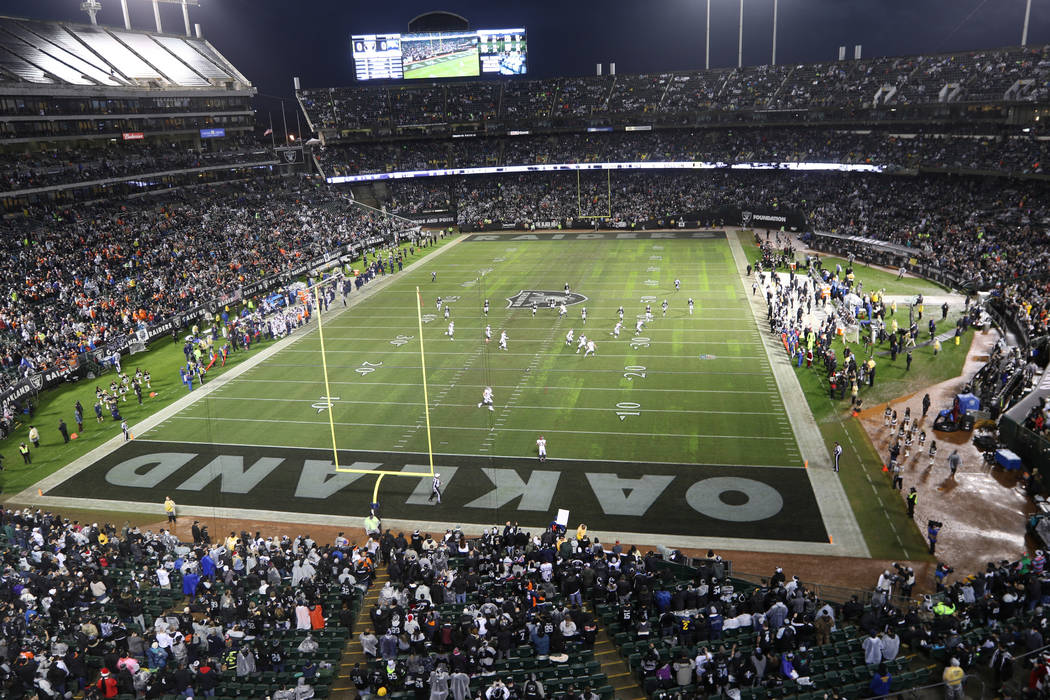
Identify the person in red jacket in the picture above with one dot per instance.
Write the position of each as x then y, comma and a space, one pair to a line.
107, 684
316, 617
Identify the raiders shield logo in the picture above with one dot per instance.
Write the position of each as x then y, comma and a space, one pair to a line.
36, 381
291, 156
745, 217
527, 297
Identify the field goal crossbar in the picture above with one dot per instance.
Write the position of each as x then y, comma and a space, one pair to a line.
379, 473
579, 198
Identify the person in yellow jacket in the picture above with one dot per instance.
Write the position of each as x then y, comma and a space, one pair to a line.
169, 508
953, 680
581, 531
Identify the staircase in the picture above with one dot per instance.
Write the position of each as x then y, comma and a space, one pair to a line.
352, 652
615, 667
625, 684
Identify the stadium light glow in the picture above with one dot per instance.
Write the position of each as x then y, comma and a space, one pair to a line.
640, 165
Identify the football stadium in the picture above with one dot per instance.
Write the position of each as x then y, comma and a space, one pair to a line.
433, 377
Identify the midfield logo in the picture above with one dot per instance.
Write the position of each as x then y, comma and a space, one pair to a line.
527, 297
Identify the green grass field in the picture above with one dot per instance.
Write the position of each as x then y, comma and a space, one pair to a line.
648, 397
454, 66
644, 424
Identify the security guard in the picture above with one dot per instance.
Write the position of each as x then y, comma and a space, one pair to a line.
24, 450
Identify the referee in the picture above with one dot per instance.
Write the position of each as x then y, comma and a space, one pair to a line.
838, 453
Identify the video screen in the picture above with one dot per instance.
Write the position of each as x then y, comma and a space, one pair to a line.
435, 55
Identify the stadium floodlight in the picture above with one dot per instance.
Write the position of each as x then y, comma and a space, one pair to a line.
1024, 29
776, 7
740, 39
707, 43
92, 8
156, 11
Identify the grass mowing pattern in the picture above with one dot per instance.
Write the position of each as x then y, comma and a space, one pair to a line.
723, 409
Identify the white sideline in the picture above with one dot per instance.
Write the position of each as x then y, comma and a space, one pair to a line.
841, 523
838, 517
29, 496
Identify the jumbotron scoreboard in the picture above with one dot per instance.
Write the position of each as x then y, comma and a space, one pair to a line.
433, 55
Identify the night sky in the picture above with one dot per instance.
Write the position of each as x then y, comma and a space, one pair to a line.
272, 41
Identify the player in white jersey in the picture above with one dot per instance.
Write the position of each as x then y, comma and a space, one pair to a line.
568, 337
638, 326
581, 343
488, 333
583, 315
541, 447
677, 284
561, 310
664, 307
690, 306
534, 311
435, 489
503, 340
439, 303
648, 313
486, 398
616, 330
590, 348
451, 330
485, 308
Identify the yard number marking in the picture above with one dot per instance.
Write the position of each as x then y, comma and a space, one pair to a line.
401, 340
634, 371
627, 405
324, 402
639, 341
367, 368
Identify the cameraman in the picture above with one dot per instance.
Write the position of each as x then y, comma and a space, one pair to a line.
497, 691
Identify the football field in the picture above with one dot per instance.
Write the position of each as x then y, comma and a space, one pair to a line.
451, 66
677, 430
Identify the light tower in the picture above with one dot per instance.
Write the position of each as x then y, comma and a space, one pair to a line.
92, 8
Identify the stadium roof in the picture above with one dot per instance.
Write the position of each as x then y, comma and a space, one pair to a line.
63, 54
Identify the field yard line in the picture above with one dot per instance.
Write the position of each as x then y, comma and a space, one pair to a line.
505, 410
458, 454
232, 419
438, 398
165, 414
528, 354
518, 369
401, 326
526, 342
468, 405
834, 506
763, 392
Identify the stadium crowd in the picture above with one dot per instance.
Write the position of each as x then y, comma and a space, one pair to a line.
507, 614
124, 611
673, 98
27, 170
127, 611
135, 263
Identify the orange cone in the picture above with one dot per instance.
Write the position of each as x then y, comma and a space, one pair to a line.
885, 468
